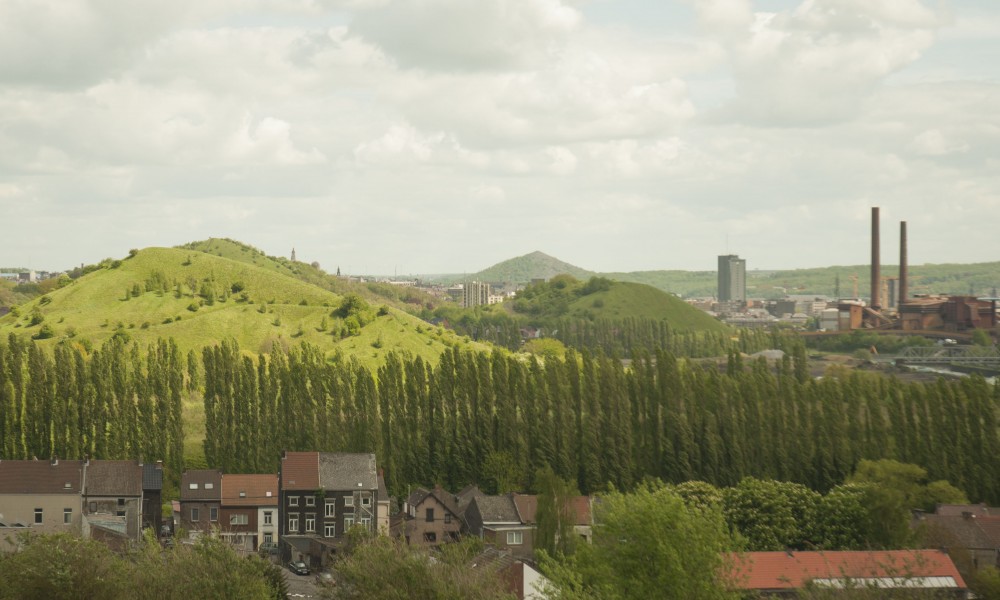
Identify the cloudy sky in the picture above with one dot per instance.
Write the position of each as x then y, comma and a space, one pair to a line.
430, 136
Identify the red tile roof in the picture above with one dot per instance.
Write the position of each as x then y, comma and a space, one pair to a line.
300, 471
249, 490
791, 570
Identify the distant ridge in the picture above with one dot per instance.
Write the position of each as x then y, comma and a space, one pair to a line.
535, 265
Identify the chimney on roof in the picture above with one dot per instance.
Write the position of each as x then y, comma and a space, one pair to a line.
159, 464
54, 461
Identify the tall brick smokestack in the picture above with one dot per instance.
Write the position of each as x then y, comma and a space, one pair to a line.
903, 266
876, 262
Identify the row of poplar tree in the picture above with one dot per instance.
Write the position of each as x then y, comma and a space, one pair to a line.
113, 403
496, 419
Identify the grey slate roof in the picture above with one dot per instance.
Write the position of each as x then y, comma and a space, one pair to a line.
344, 471
497, 509
152, 477
113, 478
201, 477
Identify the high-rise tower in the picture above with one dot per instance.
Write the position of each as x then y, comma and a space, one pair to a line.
732, 278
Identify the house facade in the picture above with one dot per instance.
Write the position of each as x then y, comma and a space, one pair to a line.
113, 501
428, 518
322, 495
201, 501
249, 510
42, 496
497, 521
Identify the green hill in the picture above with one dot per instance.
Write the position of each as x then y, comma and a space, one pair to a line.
199, 298
600, 298
522, 269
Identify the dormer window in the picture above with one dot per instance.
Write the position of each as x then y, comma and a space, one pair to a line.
67, 485
243, 494
209, 486
192, 486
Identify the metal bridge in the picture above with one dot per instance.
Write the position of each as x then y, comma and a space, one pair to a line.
949, 355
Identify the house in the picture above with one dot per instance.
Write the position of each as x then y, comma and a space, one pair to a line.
521, 578
152, 495
113, 502
42, 496
497, 521
970, 532
322, 495
428, 518
578, 508
249, 510
783, 574
201, 501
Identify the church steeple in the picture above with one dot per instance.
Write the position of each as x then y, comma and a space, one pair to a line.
293, 254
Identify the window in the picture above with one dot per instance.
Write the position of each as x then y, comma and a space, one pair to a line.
293, 501
243, 494
311, 522
293, 523
310, 500
67, 515
192, 486
194, 514
447, 518
430, 536
348, 523
120, 513
429, 517
213, 514
268, 538
237, 519
366, 501
349, 501
92, 507
121, 502
331, 509
267, 517
209, 486
515, 537
38, 515
329, 530
366, 522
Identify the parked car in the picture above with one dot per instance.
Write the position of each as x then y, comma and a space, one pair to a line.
324, 579
298, 567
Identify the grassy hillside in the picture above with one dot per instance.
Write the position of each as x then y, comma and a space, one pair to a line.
635, 300
404, 298
198, 299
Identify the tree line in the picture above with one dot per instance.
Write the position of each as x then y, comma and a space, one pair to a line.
497, 419
112, 403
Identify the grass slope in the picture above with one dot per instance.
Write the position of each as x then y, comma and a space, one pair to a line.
522, 269
94, 308
635, 300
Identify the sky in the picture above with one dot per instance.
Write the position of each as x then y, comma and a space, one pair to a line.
409, 137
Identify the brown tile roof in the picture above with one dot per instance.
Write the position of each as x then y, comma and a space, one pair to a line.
201, 479
443, 496
249, 490
40, 476
792, 570
300, 471
527, 506
581, 508
113, 478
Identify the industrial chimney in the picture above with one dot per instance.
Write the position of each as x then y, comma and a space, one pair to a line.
903, 266
876, 304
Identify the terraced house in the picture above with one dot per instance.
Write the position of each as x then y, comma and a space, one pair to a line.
323, 495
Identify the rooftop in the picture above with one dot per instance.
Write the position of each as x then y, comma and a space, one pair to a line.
41, 476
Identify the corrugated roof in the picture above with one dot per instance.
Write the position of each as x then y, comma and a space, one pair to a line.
40, 476
300, 471
114, 478
249, 490
347, 471
201, 478
792, 570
